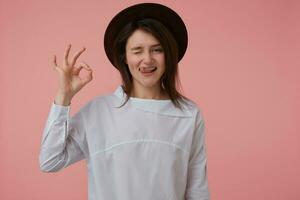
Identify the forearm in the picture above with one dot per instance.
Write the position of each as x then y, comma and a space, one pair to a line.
58, 148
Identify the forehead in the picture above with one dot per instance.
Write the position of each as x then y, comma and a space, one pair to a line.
141, 37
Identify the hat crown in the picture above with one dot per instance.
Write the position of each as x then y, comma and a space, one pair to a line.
168, 17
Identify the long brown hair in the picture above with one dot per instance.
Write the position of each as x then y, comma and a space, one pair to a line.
169, 80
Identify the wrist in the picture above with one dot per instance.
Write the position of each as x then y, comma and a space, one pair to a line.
62, 100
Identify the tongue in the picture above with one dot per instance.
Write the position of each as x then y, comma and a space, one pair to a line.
148, 69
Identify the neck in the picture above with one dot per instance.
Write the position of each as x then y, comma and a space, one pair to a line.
148, 93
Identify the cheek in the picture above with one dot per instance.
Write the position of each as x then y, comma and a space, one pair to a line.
161, 58
132, 69
132, 62
162, 61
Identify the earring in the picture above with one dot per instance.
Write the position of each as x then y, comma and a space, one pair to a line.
162, 81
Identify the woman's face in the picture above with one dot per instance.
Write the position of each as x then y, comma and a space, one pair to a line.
145, 59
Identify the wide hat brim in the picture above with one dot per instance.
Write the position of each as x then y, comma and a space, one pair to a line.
164, 14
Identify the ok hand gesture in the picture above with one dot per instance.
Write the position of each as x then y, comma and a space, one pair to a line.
69, 81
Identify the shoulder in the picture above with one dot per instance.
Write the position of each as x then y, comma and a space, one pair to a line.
196, 111
191, 106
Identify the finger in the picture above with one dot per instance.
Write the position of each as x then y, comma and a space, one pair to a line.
76, 70
55, 66
67, 52
87, 67
77, 55
88, 78
54, 61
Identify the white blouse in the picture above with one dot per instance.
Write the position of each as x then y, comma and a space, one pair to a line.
146, 150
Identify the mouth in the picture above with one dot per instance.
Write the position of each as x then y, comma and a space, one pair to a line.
148, 70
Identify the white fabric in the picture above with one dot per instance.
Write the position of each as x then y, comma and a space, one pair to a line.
145, 150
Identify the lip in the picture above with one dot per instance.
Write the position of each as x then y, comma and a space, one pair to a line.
147, 74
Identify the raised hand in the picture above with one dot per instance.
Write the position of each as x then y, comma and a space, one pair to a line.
69, 81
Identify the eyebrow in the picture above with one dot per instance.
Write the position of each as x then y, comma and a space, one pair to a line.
139, 47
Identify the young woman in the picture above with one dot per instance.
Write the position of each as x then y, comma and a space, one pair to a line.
145, 140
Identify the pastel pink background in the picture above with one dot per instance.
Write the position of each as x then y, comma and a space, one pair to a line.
242, 67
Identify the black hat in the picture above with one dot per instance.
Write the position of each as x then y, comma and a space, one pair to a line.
168, 17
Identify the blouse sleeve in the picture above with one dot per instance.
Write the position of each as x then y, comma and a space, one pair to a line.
197, 184
63, 140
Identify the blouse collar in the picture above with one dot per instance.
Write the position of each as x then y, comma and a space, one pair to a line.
164, 107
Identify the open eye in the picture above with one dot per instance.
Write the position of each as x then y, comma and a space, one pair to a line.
158, 50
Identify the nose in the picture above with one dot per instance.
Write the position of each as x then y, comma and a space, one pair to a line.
147, 57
